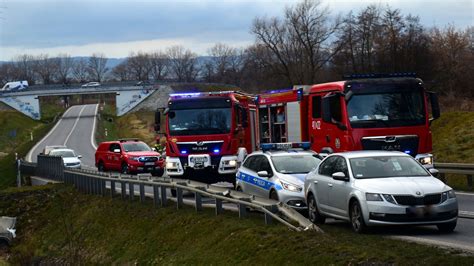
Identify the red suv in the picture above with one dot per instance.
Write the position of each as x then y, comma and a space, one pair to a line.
128, 157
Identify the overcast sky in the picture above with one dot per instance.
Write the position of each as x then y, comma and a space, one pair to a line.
116, 27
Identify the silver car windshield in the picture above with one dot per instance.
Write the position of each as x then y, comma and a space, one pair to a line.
295, 164
62, 153
386, 166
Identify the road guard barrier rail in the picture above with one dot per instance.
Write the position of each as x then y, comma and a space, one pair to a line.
456, 168
114, 184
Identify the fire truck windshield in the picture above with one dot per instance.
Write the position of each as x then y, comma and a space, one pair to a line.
199, 121
388, 109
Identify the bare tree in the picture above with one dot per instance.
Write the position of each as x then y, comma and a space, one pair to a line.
182, 63
46, 68
24, 68
302, 43
121, 71
97, 67
139, 65
64, 68
159, 65
79, 70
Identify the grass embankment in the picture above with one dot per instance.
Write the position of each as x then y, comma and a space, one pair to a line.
453, 142
134, 125
58, 225
15, 134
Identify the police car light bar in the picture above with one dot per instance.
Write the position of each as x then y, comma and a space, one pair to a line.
285, 146
380, 75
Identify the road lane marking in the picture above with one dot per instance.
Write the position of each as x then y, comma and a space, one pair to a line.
438, 243
30, 153
75, 124
93, 128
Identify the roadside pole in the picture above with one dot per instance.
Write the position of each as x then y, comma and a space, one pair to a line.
18, 177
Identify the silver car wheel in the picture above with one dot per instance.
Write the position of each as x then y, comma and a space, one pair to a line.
312, 209
357, 219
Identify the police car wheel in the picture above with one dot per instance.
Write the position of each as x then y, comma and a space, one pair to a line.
274, 195
313, 212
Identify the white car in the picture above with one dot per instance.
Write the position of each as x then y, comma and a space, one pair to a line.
379, 188
70, 159
91, 84
278, 174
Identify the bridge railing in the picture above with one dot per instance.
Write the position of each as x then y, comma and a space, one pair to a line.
130, 186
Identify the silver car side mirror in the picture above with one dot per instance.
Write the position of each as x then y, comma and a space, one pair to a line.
79, 156
340, 176
434, 172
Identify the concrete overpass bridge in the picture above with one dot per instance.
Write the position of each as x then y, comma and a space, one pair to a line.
27, 101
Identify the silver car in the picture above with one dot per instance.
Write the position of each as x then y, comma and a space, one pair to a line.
379, 188
278, 175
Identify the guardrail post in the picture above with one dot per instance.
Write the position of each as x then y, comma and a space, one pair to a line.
131, 192
164, 201
142, 192
112, 188
469, 181
242, 210
198, 199
103, 187
218, 206
179, 197
268, 217
123, 189
156, 196
97, 186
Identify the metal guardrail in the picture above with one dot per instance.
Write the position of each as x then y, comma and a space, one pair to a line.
456, 168
99, 183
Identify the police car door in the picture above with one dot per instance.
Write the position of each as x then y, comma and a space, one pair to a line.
264, 184
247, 174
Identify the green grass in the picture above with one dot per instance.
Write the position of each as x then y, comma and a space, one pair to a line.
57, 224
133, 125
453, 142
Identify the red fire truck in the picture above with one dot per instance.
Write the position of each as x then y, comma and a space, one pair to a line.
210, 131
367, 112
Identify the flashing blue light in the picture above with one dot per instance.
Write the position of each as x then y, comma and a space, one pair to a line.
186, 94
407, 151
184, 152
285, 146
216, 150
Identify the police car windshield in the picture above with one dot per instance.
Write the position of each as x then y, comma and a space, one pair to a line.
136, 146
295, 164
386, 166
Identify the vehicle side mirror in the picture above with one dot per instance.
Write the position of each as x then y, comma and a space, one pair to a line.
340, 176
435, 110
434, 172
116, 150
79, 156
157, 121
263, 174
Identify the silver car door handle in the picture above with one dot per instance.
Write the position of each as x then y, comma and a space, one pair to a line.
329, 184
315, 181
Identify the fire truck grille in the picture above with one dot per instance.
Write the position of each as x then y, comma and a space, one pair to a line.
407, 144
200, 147
411, 200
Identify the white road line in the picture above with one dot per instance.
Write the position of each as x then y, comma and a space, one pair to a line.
94, 145
438, 243
30, 153
75, 124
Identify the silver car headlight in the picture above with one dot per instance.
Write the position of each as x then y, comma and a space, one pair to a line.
448, 195
373, 197
291, 187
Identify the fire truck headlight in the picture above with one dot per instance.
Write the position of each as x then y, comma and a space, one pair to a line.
171, 165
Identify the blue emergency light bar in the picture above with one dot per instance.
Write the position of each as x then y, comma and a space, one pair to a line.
380, 75
285, 146
197, 94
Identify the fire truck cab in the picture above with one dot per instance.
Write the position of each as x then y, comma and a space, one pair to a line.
210, 131
366, 113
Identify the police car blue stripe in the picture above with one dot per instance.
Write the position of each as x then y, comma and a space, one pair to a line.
257, 181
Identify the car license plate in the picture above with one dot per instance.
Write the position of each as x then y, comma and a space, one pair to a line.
417, 211
199, 159
150, 163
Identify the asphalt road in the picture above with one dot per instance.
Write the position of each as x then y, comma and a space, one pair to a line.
75, 130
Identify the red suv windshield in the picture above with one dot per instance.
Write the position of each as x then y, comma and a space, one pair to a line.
135, 146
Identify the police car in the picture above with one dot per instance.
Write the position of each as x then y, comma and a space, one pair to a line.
278, 172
